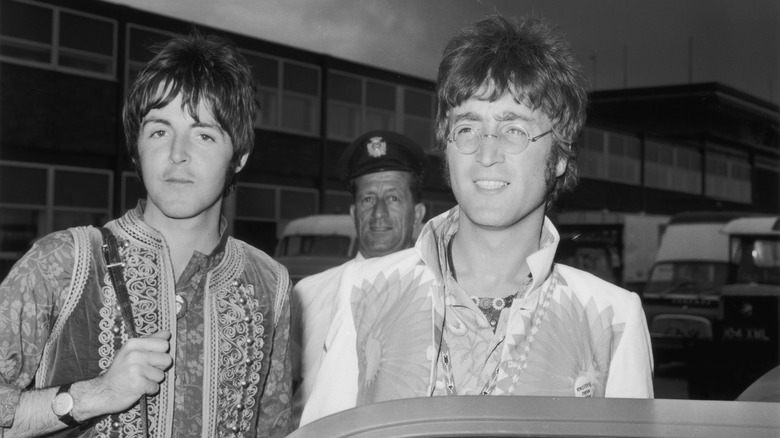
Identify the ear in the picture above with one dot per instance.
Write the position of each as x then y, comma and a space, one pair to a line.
560, 168
353, 215
419, 216
242, 162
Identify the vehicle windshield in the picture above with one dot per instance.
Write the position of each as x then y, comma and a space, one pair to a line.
687, 277
314, 245
757, 260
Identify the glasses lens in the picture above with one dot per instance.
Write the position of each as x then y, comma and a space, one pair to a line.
466, 138
514, 139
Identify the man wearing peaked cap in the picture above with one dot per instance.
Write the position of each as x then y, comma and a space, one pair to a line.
378, 151
384, 171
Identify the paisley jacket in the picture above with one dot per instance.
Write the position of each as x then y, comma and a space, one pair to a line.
62, 324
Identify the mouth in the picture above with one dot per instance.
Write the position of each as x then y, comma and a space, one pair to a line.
178, 180
485, 184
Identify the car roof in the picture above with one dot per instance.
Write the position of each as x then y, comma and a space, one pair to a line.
472, 416
769, 225
321, 224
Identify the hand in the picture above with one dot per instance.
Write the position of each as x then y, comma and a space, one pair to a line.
138, 368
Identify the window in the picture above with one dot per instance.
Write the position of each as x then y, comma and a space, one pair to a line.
419, 113
671, 167
357, 105
141, 42
337, 202
728, 177
288, 94
132, 190
262, 211
57, 38
610, 156
592, 155
345, 106
380, 106
38, 199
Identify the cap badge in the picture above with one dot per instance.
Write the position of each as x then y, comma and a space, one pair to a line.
376, 147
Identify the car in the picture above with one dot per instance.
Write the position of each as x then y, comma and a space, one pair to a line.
515, 416
312, 244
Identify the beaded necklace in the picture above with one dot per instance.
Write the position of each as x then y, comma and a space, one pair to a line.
490, 385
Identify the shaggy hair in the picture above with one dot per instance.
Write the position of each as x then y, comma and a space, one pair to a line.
528, 59
200, 68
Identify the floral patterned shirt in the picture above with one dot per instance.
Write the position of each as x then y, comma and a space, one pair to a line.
405, 328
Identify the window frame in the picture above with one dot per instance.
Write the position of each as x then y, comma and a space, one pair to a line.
49, 208
677, 177
129, 63
55, 48
280, 92
729, 187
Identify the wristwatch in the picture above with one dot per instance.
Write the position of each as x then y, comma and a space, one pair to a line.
62, 405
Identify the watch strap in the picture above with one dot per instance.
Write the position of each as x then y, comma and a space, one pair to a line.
67, 418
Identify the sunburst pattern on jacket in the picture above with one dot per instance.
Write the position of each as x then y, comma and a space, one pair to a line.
570, 354
393, 323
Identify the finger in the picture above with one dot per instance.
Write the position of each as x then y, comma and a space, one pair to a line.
148, 344
161, 361
156, 375
162, 334
151, 388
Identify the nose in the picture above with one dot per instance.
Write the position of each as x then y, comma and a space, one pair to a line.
179, 152
380, 209
489, 151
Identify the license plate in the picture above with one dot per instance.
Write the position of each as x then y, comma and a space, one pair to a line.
681, 327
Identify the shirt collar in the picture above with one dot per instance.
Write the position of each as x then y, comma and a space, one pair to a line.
432, 244
136, 216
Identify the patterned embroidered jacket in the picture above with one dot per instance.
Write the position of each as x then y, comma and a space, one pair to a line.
76, 329
568, 333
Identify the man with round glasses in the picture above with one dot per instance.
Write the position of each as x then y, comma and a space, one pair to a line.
478, 307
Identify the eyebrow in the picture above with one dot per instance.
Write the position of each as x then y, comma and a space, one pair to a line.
150, 120
503, 117
165, 122
209, 125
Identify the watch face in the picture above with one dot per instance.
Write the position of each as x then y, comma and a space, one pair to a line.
62, 404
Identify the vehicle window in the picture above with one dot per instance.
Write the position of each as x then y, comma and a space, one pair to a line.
766, 253
590, 259
687, 277
331, 245
760, 263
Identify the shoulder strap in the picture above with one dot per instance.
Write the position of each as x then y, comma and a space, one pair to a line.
116, 270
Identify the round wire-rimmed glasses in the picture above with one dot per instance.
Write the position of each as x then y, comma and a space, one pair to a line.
513, 139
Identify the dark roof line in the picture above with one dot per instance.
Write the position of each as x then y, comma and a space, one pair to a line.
682, 90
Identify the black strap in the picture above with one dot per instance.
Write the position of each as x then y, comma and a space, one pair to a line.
116, 271
116, 268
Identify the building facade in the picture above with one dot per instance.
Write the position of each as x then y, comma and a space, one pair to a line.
65, 66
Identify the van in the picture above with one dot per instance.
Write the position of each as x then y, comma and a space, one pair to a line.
682, 296
312, 244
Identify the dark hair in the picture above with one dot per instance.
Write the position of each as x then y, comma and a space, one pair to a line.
199, 67
415, 186
528, 59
